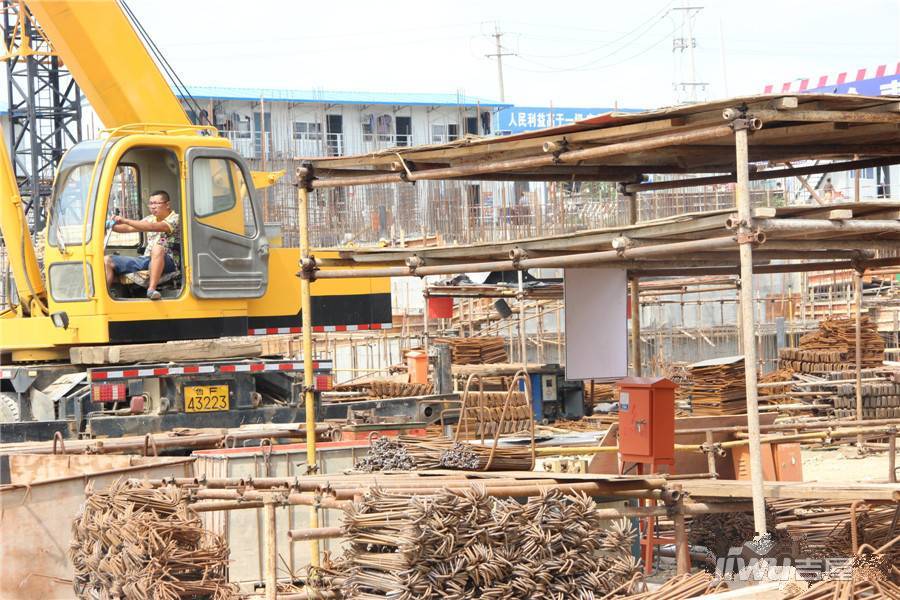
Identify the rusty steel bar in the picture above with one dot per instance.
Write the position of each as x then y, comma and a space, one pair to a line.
835, 265
319, 533
545, 160
747, 324
762, 175
582, 259
800, 225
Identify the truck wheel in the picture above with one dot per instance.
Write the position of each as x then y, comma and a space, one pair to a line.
9, 408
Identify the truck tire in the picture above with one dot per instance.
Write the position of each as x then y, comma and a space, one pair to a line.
9, 408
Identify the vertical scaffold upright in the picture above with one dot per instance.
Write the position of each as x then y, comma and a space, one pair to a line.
44, 106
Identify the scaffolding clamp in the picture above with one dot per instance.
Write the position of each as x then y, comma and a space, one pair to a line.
414, 262
516, 255
308, 268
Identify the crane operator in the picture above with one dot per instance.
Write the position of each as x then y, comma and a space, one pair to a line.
162, 227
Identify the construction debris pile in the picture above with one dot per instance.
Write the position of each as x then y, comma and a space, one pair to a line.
456, 546
410, 453
137, 542
476, 350
833, 347
718, 386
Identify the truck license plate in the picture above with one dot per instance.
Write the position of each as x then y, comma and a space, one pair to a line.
205, 398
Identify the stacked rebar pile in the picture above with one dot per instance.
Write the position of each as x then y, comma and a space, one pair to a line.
832, 347
684, 586
484, 414
718, 386
409, 453
378, 388
476, 350
456, 547
880, 399
137, 542
826, 529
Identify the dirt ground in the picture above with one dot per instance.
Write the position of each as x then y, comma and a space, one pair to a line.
838, 465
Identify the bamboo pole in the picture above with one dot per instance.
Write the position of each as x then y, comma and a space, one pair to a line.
308, 380
748, 322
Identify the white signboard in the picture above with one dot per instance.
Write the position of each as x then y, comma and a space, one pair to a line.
596, 326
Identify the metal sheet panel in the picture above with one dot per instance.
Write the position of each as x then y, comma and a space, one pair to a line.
596, 329
36, 517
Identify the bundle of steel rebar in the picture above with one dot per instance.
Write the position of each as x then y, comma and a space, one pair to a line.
386, 454
137, 542
850, 590
832, 347
456, 547
831, 528
444, 453
487, 412
718, 386
683, 586
476, 350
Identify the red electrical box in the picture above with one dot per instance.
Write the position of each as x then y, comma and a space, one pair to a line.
440, 307
646, 420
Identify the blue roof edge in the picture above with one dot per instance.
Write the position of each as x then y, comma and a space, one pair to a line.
338, 97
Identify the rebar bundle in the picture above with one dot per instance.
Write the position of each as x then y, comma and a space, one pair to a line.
832, 347
443, 453
823, 529
461, 546
386, 454
682, 587
141, 543
410, 453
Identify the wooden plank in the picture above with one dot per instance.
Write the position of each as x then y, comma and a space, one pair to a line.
786, 103
166, 352
765, 212
812, 490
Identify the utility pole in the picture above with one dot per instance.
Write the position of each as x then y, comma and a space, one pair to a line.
686, 41
499, 54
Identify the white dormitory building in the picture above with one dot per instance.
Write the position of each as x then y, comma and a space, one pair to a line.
283, 124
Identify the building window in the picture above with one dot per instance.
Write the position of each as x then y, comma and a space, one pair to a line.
438, 134
242, 127
452, 132
307, 131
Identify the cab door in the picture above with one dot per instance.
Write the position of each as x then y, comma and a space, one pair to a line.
228, 251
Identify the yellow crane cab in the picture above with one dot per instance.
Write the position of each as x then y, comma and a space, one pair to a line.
220, 250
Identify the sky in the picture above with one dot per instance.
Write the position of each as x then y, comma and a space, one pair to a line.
579, 54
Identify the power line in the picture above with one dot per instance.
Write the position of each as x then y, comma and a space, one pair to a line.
594, 66
641, 28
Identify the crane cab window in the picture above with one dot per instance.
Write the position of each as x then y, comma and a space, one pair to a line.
140, 174
221, 198
67, 216
125, 200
